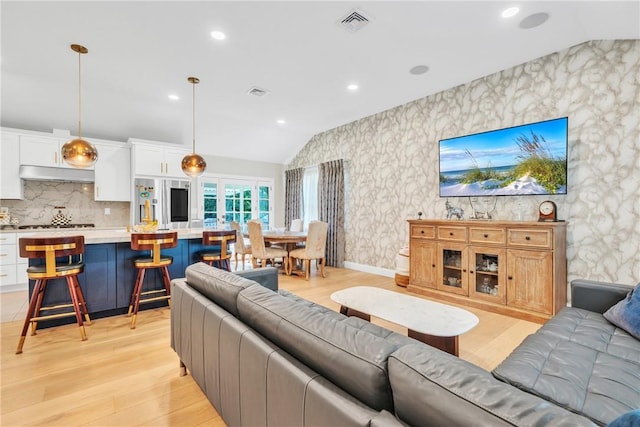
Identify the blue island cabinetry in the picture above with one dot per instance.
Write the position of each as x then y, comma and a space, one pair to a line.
109, 275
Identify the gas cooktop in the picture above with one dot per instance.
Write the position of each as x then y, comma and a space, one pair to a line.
49, 226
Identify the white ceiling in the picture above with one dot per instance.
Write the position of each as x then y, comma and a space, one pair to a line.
140, 52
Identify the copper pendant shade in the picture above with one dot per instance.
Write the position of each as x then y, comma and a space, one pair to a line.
78, 152
193, 164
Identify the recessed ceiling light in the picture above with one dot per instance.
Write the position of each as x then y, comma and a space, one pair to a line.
512, 11
173, 97
352, 87
218, 35
281, 121
419, 69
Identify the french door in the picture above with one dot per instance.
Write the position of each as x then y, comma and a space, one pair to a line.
225, 199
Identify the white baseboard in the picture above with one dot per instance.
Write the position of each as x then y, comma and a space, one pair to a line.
370, 269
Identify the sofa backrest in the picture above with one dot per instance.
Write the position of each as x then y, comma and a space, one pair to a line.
349, 357
220, 286
431, 387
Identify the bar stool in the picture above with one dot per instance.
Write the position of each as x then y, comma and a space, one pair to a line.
221, 239
49, 249
152, 242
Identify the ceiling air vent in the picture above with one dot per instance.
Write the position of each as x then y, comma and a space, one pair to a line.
354, 20
257, 91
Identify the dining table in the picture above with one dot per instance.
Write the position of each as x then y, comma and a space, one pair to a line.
287, 239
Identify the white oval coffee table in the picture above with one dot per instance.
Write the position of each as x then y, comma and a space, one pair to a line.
433, 323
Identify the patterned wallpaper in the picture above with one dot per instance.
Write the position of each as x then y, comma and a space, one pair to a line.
392, 157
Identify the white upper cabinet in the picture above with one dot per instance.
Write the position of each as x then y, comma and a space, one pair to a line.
36, 150
113, 173
157, 160
10, 184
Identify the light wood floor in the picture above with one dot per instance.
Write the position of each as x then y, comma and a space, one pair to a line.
124, 377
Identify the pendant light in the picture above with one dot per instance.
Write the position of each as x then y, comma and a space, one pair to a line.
78, 152
193, 164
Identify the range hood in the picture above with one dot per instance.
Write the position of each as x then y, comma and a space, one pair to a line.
43, 173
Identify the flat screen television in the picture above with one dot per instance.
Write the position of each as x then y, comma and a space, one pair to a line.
529, 159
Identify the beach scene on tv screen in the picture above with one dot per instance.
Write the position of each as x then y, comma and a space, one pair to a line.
521, 160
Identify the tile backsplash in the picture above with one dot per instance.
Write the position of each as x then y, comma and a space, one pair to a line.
41, 198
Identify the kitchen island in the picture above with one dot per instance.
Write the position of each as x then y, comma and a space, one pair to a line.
109, 274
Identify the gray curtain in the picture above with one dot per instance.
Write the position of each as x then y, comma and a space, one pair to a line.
331, 208
292, 195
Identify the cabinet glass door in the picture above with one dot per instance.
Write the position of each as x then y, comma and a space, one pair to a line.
452, 261
487, 273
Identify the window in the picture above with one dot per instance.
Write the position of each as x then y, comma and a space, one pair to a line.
224, 199
210, 200
310, 195
237, 202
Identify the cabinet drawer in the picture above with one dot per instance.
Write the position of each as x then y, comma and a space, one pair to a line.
423, 231
8, 275
7, 254
495, 236
7, 238
530, 238
457, 234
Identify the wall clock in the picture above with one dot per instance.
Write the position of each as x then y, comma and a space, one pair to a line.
547, 211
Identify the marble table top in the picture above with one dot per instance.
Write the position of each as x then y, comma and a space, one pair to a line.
420, 315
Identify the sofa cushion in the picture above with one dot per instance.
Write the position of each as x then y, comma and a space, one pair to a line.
352, 359
626, 313
220, 286
431, 387
574, 376
593, 330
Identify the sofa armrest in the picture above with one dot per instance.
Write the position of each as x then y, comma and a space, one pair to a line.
266, 276
597, 296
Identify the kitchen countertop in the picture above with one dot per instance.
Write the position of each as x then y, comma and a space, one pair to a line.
99, 235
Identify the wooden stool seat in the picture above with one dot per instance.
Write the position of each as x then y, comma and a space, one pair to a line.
51, 249
221, 255
153, 242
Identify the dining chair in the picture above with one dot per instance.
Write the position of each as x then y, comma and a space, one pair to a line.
315, 248
259, 251
242, 246
218, 247
296, 225
50, 249
153, 242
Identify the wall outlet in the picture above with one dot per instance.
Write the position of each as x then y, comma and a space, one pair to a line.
107, 211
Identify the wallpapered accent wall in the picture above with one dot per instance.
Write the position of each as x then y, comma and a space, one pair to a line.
392, 157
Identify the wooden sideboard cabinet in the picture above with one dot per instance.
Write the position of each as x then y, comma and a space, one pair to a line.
513, 268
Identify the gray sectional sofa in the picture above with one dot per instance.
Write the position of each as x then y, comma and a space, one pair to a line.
265, 357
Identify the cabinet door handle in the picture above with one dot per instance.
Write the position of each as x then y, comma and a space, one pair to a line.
166, 168
97, 191
486, 236
509, 277
527, 238
3, 275
433, 265
55, 157
421, 231
450, 233
464, 270
471, 271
